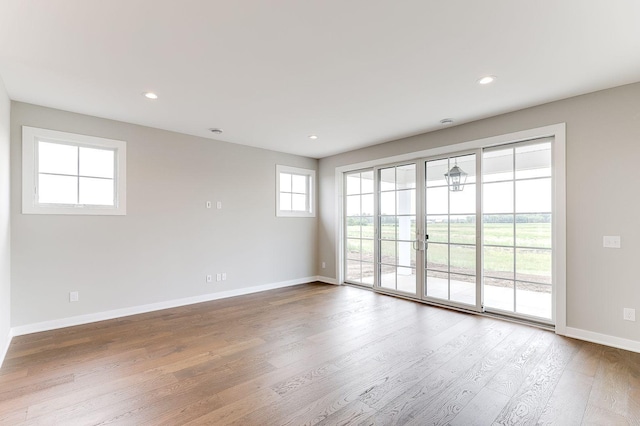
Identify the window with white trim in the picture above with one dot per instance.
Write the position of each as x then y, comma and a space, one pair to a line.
295, 192
66, 173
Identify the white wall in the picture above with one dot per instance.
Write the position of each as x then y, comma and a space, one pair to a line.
168, 241
5, 239
603, 174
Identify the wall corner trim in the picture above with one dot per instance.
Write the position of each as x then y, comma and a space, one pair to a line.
602, 339
141, 309
5, 349
327, 280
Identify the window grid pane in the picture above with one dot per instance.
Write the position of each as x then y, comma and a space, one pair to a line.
97, 192
54, 164
54, 189
97, 163
299, 184
285, 182
397, 219
285, 201
73, 175
56, 158
360, 244
298, 202
517, 230
451, 226
294, 192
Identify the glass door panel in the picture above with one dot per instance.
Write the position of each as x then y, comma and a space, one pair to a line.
359, 228
450, 228
517, 188
397, 228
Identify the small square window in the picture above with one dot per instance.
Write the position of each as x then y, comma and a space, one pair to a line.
296, 193
65, 173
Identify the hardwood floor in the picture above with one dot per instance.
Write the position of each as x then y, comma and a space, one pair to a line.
314, 354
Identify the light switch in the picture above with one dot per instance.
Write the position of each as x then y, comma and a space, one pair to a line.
611, 241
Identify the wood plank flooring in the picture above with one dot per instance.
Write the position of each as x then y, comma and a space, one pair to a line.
314, 354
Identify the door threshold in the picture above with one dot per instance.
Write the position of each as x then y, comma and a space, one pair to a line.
508, 318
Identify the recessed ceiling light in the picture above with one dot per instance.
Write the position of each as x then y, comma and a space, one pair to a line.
313, 137
446, 121
215, 130
488, 79
150, 95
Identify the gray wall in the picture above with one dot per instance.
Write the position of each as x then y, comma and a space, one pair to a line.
603, 174
168, 241
5, 239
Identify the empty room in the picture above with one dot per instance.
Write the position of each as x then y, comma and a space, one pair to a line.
319, 212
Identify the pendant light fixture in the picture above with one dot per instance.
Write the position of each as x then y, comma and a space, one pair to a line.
456, 178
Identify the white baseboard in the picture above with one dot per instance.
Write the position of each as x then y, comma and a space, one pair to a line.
602, 339
134, 310
327, 280
3, 350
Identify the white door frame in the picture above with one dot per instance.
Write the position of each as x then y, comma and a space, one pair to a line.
557, 131
479, 287
419, 229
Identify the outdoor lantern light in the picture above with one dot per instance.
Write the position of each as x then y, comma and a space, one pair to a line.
456, 178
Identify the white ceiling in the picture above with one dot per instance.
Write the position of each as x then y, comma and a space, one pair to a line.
272, 72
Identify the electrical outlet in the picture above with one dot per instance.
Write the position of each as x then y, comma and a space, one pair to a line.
219, 205
218, 277
209, 278
74, 296
324, 265
224, 276
629, 314
612, 241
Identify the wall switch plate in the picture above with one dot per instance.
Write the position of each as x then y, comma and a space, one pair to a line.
612, 241
208, 204
219, 205
629, 314
74, 296
324, 265
209, 278
224, 276
218, 277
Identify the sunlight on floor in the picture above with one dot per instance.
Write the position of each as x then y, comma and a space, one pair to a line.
528, 302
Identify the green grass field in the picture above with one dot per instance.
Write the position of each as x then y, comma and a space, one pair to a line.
533, 260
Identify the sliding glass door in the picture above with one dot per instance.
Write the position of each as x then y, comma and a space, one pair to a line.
471, 230
360, 231
451, 218
397, 236
517, 217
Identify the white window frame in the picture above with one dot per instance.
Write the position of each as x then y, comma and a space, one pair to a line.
30, 138
311, 192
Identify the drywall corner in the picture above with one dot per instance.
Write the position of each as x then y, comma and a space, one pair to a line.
5, 223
